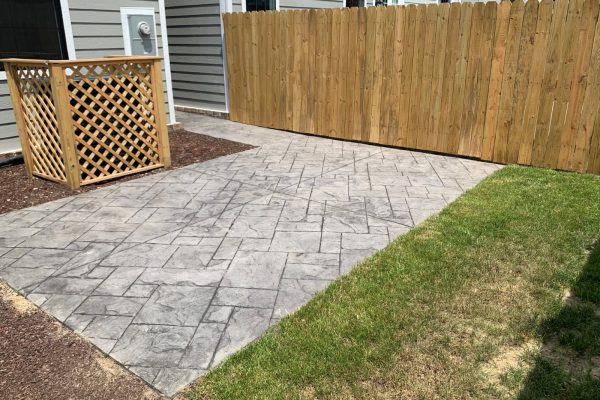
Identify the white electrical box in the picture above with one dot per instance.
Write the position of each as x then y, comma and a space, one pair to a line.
139, 31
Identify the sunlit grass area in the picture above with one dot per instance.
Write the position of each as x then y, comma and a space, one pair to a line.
496, 297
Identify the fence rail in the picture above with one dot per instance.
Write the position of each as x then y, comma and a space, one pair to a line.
86, 121
510, 82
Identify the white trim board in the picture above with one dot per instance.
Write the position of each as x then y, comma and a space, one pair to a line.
225, 6
68, 28
167, 60
126, 11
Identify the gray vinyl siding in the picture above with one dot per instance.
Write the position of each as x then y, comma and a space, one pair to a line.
97, 32
9, 138
196, 51
97, 29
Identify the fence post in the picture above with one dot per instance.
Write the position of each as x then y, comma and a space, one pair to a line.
158, 98
15, 95
62, 107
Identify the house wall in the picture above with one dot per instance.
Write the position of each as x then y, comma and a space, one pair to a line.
97, 32
9, 140
97, 29
196, 51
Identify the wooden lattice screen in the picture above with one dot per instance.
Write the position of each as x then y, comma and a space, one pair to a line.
87, 121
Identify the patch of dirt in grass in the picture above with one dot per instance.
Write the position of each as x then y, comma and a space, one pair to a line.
17, 191
41, 359
308, 393
510, 359
448, 360
570, 359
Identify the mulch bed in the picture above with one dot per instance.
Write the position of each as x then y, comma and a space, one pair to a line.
18, 191
41, 359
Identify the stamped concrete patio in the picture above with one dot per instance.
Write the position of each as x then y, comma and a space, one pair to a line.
173, 272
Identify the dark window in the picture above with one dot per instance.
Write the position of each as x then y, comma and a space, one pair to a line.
31, 29
355, 3
260, 5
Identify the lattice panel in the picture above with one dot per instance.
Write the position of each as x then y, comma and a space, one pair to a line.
114, 119
40, 123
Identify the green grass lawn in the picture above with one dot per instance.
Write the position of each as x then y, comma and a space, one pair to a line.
497, 297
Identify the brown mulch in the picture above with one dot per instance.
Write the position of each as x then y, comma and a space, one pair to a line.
41, 359
18, 191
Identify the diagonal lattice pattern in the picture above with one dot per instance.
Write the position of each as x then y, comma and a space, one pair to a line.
86, 121
39, 119
114, 119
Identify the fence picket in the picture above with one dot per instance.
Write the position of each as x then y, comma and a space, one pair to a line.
579, 80
486, 52
536, 76
515, 130
568, 54
589, 110
505, 108
439, 58
460, 79
472, 79
406, 79
393, 123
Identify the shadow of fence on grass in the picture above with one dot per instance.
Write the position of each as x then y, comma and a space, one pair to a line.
568, 366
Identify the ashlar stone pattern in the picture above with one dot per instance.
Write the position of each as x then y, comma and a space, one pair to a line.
171, 273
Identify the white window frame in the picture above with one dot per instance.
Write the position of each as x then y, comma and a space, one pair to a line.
127, 11
244, 5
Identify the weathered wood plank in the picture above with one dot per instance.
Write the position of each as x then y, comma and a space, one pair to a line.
589, 111
450, 65
507, 100
536, 76
393, 119
417, 76
486, 52
429, 46
516, 133
473, 80
550, 82
585, 38
406, 78
494, 91
433, 125
460, 80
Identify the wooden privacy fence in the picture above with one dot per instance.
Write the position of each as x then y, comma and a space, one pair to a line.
510, 82
86, 121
